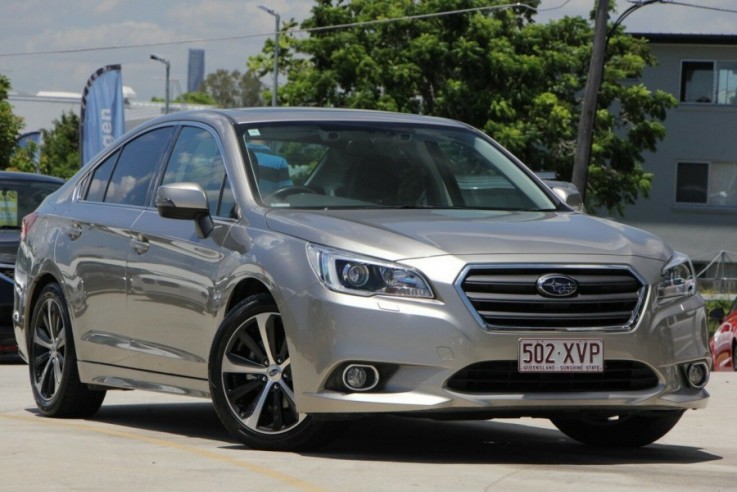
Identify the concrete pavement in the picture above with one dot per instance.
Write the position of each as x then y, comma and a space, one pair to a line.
151, 441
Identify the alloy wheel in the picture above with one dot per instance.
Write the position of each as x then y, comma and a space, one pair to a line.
49, 348
257, 376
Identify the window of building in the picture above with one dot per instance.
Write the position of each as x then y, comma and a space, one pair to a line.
705, 183
709, 82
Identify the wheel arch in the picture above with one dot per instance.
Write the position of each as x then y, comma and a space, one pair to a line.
34, 290
245, 289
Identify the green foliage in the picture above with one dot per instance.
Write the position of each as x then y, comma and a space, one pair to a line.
196, 98
233, 89
24, 159
10, 125
498, 70
710, 305
60, 154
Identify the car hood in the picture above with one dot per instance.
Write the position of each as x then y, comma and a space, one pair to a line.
413, 233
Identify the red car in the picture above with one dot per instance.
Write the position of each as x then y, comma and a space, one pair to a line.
723, 344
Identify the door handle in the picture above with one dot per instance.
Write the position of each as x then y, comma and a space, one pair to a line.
140, 244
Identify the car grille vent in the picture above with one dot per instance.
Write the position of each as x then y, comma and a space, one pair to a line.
509, 298
503, 377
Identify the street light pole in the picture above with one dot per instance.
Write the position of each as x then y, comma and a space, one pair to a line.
591, 91
271, 11
167, 96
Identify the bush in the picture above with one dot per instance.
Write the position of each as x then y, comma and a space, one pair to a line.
712, 304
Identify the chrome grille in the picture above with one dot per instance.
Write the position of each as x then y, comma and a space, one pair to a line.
507, 297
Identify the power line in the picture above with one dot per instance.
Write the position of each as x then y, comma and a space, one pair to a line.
701, 7
314, 29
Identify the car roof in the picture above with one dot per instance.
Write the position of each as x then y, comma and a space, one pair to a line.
296, 114
21, 176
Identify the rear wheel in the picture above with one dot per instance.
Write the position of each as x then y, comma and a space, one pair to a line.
251, 381
625, 430
52, 361
734, 356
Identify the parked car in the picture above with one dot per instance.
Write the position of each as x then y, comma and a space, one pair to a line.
377, 278
20, 194
723, 343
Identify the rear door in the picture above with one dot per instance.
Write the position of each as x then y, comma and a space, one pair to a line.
95, 241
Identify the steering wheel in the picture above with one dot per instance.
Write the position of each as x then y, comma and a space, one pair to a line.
282, 193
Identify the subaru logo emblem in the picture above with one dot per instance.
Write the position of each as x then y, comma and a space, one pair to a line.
556, 285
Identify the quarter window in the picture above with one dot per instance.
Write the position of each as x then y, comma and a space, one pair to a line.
101, 178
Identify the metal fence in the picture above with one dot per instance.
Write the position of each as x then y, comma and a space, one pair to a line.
718, 275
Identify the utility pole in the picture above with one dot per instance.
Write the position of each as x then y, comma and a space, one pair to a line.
590, 99
166, 88
274, 91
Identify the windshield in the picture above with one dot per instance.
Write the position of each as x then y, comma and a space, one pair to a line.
19, 198
381, 165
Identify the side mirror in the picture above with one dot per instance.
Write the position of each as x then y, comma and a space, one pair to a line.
570, 197
185, 201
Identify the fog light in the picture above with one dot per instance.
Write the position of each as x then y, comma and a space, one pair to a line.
360, 377
697, 375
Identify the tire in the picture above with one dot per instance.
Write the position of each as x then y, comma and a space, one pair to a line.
250, 376
734, 356
52, 361
626, 430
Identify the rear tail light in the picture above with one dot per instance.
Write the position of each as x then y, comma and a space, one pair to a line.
26, 224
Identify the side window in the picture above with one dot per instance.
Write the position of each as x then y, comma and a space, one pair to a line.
100, 179
138, 160
196, 158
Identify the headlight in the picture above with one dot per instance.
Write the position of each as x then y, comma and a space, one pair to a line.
677, 279
364, 276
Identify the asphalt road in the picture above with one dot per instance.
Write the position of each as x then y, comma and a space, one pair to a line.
147, 441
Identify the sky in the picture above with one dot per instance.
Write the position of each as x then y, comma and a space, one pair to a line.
29, 29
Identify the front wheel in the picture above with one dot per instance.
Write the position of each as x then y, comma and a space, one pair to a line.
52, 361
625, 430
251, 381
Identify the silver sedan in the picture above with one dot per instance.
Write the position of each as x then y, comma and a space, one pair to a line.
303, 267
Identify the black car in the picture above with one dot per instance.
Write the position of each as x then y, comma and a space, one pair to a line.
20, 194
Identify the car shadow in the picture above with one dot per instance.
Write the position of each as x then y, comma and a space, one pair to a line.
398, 439
196, 420
389, 438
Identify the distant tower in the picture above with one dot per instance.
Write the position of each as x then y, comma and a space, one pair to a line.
195, 70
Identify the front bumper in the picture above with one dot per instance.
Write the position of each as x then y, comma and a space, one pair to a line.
425, 343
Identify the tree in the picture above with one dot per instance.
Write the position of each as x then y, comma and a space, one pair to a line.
10, 125
195, 98
234, 89
60, 147
498, 70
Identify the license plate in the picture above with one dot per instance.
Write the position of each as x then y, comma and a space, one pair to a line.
561, 355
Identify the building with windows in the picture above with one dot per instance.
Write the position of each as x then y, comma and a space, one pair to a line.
693, 201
